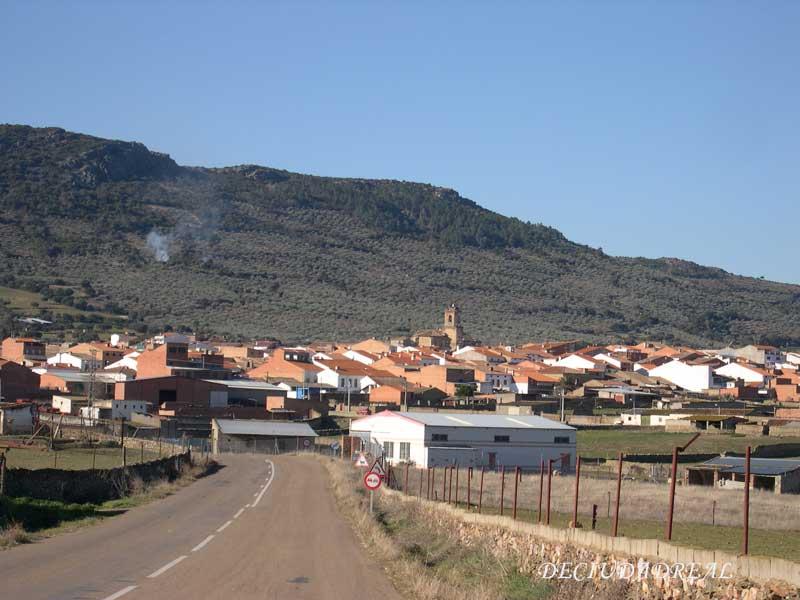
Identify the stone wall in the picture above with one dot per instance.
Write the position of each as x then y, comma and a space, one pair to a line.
536, 546
92, 485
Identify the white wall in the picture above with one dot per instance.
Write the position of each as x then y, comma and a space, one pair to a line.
614, 362
472, 445
737, 371
341, 381
357, 356
123, 409
573, 361
694, 378
62, 404
67, 358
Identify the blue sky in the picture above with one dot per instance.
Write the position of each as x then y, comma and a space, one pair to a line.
645, 128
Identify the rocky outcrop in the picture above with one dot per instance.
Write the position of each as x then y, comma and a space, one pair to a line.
120, 161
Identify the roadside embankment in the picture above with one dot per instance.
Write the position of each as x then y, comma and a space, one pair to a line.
435, 548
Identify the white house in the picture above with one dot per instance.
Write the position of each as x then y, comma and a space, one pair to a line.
479, 354
746, 373
115, 409
493, 380
362, 356
478, 440
608, 359
82, 362
129, 361
694, 378
793, 357
68, 405
343, 379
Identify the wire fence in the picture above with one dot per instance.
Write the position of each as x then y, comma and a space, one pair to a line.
592, 502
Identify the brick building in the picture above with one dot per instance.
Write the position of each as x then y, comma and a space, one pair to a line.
17, 382
24, 351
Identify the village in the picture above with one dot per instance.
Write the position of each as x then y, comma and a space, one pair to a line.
480, 405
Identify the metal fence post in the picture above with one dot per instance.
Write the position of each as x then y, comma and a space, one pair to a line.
480, 493
457, 484
469, 488
405, 484
549, 487
671, 507
444, 484
502, 488
541, 488
577, 489
619, 489
419, 495
746, 527
516, 487
450, 486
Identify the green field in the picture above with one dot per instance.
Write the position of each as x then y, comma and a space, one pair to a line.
37, 457
695, 535
608, 443
32, 304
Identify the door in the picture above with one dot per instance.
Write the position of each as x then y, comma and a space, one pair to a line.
492, 460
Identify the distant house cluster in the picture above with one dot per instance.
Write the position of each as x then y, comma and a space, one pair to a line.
179, 384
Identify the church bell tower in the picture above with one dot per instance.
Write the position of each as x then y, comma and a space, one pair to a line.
452, 326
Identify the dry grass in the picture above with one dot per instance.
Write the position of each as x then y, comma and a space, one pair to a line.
639, 500
74, 458
13, 535
424, 558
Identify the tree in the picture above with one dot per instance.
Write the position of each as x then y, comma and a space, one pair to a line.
463, 390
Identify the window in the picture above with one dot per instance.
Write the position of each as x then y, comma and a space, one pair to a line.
561, 440
388, 449
405, 450
439, 437
502, 438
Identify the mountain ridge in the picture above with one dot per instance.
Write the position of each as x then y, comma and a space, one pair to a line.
253, 250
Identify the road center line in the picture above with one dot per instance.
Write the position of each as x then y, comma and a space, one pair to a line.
221, 529
166, 567
266, 485
202, 544
238, 514
120, 593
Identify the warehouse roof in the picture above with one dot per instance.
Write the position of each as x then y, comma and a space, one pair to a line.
758, 466
476, 420
268, 428
246, 384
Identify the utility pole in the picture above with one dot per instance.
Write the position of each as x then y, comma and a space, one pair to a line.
562, 404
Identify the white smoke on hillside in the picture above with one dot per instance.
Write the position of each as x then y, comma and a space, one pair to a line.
158, 244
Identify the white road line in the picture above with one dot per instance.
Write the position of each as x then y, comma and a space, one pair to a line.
247, 506
166, 567
202, 544
266, 485
120, 593
256, 494
221, 529
238, 514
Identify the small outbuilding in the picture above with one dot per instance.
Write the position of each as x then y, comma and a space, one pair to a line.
250, 435
16, 418
727, 472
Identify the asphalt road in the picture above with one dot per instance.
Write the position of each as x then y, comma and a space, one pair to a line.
257, 528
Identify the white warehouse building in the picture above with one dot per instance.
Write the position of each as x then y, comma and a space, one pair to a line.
469, 440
